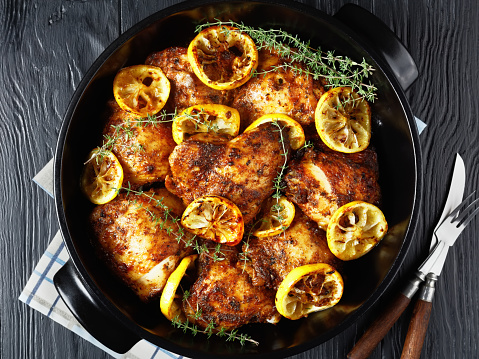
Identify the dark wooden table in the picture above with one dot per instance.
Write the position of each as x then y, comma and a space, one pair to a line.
46, 47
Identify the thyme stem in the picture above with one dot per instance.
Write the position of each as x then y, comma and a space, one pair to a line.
338, 70
180, 231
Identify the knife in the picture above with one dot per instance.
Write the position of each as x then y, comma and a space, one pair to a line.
438, 253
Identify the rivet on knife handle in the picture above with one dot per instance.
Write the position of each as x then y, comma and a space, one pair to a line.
420, 320
376, 332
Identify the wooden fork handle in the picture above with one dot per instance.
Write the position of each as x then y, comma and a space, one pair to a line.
417, 330
376, 332
420, 320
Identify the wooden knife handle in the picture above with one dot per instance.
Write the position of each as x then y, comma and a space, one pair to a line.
376, 332
420, 320
417, 330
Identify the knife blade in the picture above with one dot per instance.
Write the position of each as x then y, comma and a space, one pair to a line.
456, 192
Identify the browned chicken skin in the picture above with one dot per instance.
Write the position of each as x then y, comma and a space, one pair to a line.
272, 258
136, 249
186, 89
323, 180
282, 91
224, 295
142, 150
242, 169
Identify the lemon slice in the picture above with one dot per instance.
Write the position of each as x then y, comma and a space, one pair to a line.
354, 229
206, 118
215, 218
102, 176
294, 129
141, 89
223, 57
343, 120
278, 213
170, 302
307, 289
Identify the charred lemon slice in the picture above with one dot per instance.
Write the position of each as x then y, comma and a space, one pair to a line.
215, 218
141, 89
354, 229
343, 120
293, 128
206, 118
223, 57
170, 302
277, 215
102, 176
307, 289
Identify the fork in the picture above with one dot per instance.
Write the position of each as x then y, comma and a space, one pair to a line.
447, 233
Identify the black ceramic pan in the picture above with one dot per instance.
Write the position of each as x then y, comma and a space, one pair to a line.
108, 310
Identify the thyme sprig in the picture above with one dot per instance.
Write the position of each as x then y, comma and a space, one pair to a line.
211, 328
124, 131
200, 118
307, 144
337, 70
243, 256
178, 231
209, 331
278, 187
278, 181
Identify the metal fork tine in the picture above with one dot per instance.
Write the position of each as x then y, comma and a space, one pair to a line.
463, 214
456, 210
450, 229
471, 216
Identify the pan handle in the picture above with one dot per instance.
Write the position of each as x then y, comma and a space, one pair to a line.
92, 314
383, 40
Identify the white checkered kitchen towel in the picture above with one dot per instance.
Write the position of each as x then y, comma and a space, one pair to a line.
41, 295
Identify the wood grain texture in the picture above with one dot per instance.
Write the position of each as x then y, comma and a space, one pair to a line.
46, 47
417, 330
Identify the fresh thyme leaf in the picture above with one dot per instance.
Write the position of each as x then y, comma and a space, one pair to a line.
307, 144
209, 328
221, 332
186, 295
198, 314
176, 321
232, 335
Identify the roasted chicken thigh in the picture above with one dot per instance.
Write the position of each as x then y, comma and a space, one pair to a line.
186, 89
241, 169
142, 150
270, 259
285, 91
224, 295
131, 235
322, 180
